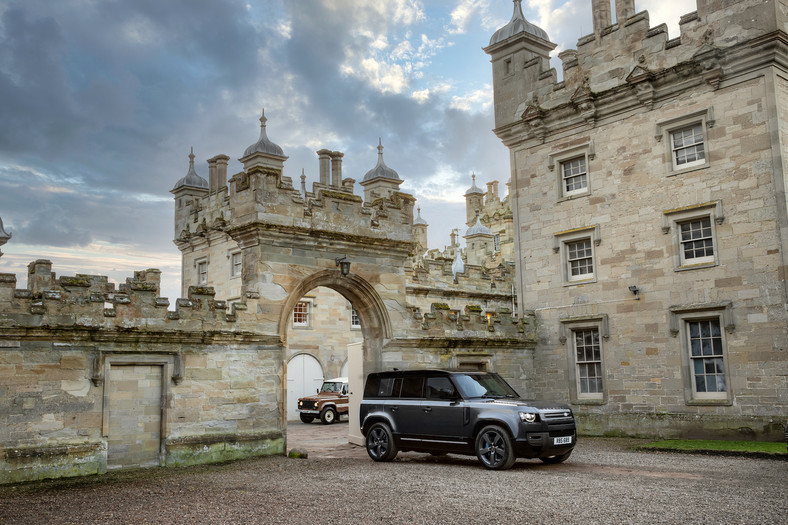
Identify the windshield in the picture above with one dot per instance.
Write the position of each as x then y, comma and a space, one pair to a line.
330, 386
483, 385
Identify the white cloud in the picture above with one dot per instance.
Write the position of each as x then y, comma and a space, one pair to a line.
478, 100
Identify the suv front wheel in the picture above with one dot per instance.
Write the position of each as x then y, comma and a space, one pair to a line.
380, 443
494, 448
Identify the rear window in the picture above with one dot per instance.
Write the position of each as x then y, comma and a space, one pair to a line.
378, 386
410, 386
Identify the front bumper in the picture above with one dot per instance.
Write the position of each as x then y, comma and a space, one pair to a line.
307, 411
542, 445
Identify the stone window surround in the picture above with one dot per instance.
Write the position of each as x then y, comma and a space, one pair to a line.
671, 219
679, 316
231, 255
199, 261
664, 129
560, 241
566, 328
558, 157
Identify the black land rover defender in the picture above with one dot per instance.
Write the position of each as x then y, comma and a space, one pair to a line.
469, 413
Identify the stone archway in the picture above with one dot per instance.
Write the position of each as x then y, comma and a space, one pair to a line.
375, 322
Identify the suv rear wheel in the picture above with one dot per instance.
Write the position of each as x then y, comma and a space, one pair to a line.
328, 415
494, 448
380, 443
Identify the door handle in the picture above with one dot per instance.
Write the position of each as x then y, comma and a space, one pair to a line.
427, 409
393, 409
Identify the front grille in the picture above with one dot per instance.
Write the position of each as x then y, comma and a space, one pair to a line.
557, 415
306, 405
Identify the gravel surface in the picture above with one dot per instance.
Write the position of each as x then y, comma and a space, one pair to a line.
603, 482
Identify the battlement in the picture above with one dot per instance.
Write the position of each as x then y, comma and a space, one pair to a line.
91, 301
627, 64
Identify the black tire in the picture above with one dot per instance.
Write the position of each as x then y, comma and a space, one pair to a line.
494, 448
306, 418
380, 443
557, 459
328, 416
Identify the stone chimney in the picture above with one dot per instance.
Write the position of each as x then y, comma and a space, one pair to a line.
624, 9
324, 156
221, 171
336, 168
601, 13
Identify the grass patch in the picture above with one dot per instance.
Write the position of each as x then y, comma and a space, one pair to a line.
706, 446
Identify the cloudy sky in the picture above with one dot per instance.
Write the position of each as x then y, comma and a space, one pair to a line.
101, 100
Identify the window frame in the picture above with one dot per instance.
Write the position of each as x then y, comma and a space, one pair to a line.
674, 219
568, 328
307, 324
355, 319
232, 256
562, 242
202, 276
680, 319
563, 156
664, 133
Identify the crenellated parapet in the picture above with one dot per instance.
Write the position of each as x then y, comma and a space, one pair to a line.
627, 65
92, 302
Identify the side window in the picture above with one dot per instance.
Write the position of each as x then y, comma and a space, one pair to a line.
412, 387
686, 141
584, 338
301, 314
577, 247
588, 359
579, 259
202, 272
440, 388
694, 237
574, 178
235, 264
701, 330
573, 170
687, 147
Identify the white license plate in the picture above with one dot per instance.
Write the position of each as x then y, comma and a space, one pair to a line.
565, 440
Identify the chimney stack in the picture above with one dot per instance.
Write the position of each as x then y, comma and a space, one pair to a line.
324, 156
601, 13
336, 168
624, 9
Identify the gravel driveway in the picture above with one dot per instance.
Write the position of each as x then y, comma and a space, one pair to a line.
603, 482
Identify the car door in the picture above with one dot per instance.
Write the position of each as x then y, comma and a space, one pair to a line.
406, 411
442, 410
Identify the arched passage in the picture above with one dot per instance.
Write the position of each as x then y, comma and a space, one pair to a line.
375, 324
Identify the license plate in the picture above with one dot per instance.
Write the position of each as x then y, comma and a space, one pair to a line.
565, 440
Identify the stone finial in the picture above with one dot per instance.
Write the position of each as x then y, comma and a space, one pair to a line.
4, 235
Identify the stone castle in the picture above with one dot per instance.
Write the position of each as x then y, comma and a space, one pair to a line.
636, 267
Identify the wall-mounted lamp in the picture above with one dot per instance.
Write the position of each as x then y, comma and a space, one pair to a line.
635, 290
344, 265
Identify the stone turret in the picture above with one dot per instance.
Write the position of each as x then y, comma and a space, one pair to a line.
474, 201
381, 182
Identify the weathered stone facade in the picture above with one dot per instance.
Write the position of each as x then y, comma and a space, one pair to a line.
650, 216
83, 379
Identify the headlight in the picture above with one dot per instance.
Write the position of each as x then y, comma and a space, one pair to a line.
527, 417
